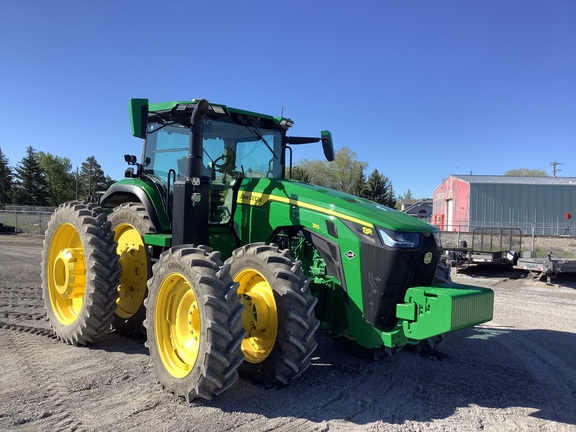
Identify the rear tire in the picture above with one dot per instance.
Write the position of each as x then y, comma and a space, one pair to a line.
279, 314
79, 273
130, 221
194, 323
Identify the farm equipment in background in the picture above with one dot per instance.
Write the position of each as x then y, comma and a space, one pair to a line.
548, 267
501, 246
7, 229
231, 267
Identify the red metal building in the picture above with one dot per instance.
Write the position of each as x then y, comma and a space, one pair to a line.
534, 204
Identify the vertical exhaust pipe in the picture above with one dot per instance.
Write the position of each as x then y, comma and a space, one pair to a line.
190, 206
195, 146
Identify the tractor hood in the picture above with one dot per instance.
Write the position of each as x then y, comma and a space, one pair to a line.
328, 201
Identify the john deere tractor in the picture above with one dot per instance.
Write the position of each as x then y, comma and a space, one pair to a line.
230, 267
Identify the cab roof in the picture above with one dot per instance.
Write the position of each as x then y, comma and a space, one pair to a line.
218, 109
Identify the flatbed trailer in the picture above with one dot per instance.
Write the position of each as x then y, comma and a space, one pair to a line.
489, 246
548, 266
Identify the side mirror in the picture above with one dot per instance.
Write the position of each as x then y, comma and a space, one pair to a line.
139, 117
326, 139
327, 145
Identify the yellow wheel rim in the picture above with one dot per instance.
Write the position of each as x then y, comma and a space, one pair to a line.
177, 325
134, 265
260, 316
66, 274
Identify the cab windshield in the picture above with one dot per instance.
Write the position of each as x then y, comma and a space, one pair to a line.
230, 150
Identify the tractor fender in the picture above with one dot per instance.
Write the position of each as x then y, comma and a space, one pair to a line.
121, 193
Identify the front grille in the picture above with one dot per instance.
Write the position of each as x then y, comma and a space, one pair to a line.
387, 274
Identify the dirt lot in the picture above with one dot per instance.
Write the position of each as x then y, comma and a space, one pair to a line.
517, 372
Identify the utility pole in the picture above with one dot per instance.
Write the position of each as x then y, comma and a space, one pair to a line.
554, 169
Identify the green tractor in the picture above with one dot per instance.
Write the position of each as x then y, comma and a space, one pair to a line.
230, 268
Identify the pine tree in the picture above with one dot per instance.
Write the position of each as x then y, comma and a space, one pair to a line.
359, 183
30, 187
92, 179
407, 195
6, 180
391, 197
376, 188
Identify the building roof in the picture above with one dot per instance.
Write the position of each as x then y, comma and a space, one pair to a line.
409, 205
501, 179
409, 202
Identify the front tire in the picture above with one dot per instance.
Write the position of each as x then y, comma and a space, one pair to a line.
79, 273
279, 314
193, 323
442, 274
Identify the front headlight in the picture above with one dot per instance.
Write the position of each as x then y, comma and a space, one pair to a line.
399, 240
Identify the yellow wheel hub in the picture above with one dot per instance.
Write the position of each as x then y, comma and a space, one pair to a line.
177, 325
134, 264
66, 276
260, 316
70, 273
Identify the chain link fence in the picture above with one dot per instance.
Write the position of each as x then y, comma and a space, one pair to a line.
25, 219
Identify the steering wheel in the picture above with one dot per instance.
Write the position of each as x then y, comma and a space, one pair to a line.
223, 167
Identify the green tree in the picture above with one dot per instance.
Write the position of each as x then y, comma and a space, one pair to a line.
525, 172
92, 178
359, 184
379, 189
407, 195
376, 187
346, 168
6, 180
30, 187
59, 177
392, 201
300, 174
340, 174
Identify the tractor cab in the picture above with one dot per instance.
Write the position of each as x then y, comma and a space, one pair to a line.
230, 152
234, 145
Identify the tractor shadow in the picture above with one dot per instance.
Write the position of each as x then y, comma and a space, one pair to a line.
491, 368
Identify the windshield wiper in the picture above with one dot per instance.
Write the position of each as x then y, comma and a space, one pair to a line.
255, 131
166, 123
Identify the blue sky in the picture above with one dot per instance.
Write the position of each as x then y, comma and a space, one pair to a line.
419, 89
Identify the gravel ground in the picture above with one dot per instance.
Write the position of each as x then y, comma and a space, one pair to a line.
515, 373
